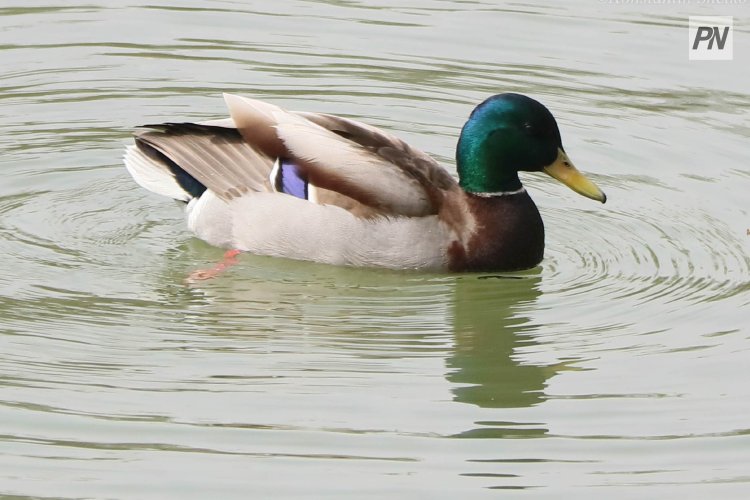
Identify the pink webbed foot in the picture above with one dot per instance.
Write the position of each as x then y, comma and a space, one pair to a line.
229, 259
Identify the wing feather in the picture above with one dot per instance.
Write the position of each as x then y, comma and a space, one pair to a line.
218, 157
350, 164
356, 160
335, 163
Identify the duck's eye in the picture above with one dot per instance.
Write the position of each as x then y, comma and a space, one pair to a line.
535, 130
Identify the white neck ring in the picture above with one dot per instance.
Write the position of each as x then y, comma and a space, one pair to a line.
501, 193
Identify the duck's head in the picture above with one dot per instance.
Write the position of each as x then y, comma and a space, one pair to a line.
509, 133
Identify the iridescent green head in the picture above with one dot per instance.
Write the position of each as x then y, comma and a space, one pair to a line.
508, 133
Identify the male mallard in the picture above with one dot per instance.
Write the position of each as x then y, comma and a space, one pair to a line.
323, 188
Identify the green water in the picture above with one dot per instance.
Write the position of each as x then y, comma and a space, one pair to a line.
617, 369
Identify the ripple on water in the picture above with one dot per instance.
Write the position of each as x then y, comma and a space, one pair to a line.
652, 272
83, 292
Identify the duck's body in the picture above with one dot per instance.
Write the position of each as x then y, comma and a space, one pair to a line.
322, 188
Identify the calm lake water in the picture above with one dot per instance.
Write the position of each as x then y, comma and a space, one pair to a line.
617, 369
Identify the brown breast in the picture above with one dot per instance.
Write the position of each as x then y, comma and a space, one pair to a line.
508, 235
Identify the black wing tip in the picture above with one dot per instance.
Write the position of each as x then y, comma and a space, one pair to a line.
181, 128
187, 182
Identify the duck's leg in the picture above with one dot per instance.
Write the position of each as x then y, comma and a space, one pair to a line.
229, 259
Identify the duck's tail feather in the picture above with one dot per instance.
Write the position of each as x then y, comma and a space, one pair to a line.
196, 157
156, 172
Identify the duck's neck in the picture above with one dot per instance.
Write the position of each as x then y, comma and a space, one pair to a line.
482, 164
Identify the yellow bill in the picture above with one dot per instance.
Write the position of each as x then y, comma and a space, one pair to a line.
564, 171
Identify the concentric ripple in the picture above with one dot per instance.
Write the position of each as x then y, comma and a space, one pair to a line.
666, 256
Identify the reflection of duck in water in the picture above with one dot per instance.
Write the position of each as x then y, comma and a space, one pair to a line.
489, 326
319, 187
477, 320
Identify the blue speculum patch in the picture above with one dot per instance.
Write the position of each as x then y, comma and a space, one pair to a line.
292, 181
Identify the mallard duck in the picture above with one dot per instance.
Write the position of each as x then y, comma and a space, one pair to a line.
328, 189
